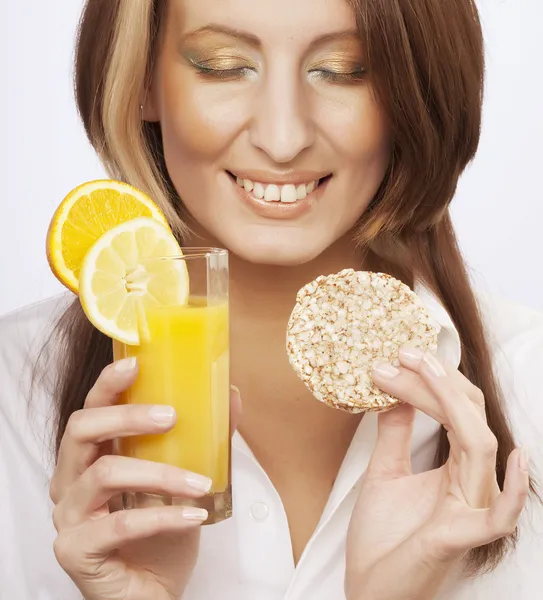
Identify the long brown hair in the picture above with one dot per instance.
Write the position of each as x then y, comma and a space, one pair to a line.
427, 67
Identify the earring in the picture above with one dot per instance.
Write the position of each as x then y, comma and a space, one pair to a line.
141, 112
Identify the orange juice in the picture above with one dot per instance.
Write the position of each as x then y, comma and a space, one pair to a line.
184, 362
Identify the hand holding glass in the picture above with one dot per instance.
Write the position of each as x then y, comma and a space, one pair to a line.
183, 362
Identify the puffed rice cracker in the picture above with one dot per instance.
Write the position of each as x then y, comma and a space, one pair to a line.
342, 324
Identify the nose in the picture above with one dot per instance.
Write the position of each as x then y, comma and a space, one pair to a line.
282, 125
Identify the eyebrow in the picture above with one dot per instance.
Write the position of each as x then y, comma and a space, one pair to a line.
254, 41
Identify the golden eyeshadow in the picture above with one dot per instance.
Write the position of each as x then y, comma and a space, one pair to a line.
218, 62
221, 57
340, 63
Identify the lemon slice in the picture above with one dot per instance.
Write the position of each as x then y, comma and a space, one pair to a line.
117, 282
84, 215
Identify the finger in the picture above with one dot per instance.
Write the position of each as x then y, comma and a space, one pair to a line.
111, 475
429, 389
477, 463
391, 457
483, 526
112, 382
98, 538
508, 506
88, 428
427, 386
455, 451
116, 502
407, 385
411, 358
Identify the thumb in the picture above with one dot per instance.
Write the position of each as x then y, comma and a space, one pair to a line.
391, 456
235, 408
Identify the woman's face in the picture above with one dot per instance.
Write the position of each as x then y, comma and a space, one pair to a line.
272, 136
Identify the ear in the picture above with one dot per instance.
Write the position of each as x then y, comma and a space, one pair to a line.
149, 105
149, 112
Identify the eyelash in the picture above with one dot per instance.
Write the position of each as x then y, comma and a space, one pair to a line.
210, 73
238, 73
335, 77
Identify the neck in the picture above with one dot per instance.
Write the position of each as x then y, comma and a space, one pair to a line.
299, 442
265, 294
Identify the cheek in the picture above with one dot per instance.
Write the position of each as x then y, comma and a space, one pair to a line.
357, 129
199, 119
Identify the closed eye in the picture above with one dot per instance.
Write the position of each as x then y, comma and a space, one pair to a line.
340, 77
235, 73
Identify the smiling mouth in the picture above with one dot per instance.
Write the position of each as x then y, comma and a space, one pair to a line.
289, 193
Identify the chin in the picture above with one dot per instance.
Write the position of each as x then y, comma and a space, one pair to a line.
276, 251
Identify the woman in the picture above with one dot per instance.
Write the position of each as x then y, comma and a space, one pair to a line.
368, 111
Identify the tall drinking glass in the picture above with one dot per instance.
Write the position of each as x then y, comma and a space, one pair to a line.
183, 362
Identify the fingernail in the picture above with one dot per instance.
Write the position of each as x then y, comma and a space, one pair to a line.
125, 365
385, 370
411, 355
524, 460
235, 390
434, 365
198, 482
191, 513
163, 415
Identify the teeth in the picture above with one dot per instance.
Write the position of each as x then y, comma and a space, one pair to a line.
258, 191
301, 192
288, 194
271, 192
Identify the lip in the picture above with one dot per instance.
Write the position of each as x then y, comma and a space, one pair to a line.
278, 210
293, 177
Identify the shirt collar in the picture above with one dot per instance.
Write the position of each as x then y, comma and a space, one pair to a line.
449, 346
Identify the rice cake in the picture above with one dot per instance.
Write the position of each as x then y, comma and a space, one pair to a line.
342, 324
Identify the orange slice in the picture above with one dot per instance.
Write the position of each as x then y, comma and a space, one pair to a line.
84, 215
119, 280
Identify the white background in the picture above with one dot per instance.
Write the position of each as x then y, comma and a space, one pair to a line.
44, 154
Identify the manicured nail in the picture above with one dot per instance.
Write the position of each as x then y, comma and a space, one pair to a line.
434, 365
163, 415
191, 513
198, 482
125, 365
524, 460
385, 370
411, 355
235, 390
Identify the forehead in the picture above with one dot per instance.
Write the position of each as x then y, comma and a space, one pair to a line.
273, 21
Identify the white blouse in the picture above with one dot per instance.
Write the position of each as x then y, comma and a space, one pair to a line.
249, 557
